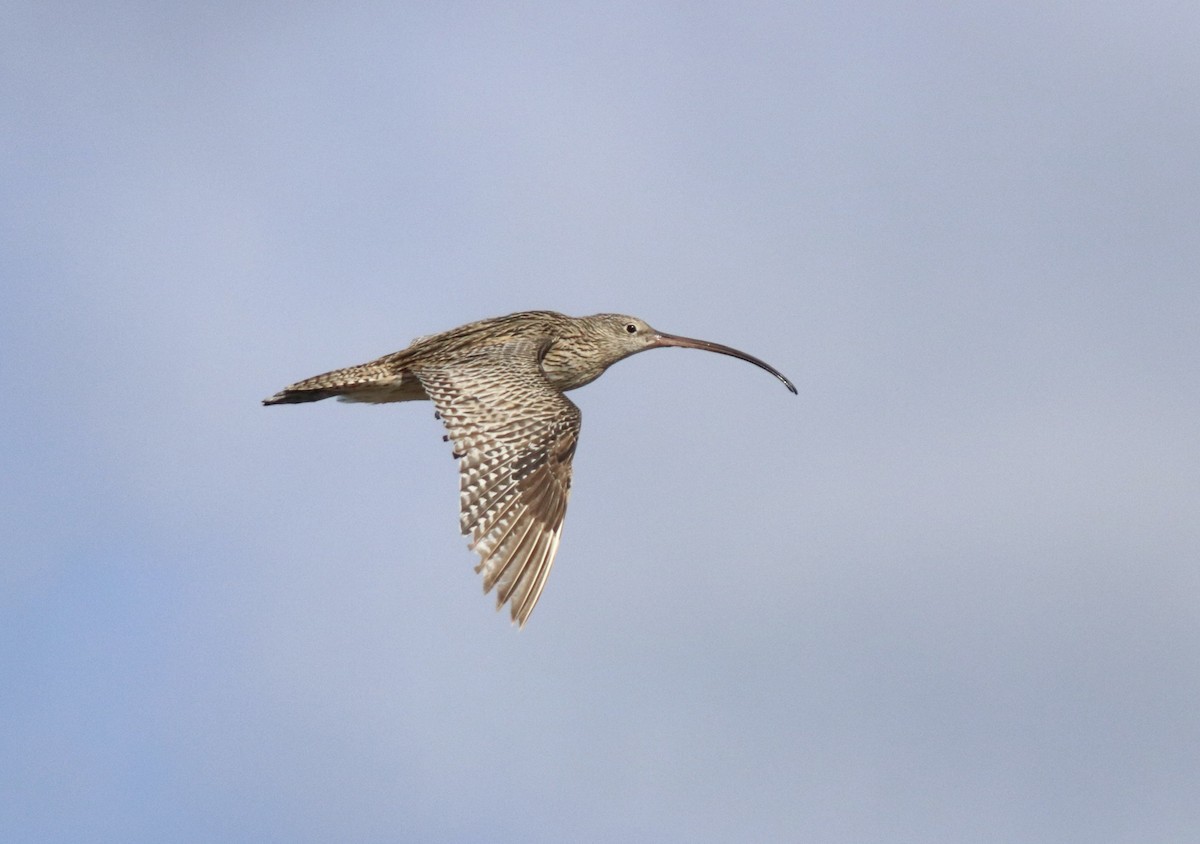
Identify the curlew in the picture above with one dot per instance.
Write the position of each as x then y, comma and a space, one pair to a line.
497, 385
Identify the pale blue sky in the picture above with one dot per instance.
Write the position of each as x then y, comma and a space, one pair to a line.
949, 593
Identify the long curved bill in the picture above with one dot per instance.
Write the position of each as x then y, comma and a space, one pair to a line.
665, 340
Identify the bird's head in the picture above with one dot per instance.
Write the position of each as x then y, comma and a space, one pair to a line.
617, 336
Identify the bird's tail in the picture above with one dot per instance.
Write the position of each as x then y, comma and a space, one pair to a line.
291, 395
367, 382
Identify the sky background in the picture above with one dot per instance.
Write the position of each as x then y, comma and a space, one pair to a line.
950, 593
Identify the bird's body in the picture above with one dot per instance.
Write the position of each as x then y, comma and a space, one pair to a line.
498, 386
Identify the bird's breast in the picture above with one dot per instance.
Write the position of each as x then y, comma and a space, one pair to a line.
566, 369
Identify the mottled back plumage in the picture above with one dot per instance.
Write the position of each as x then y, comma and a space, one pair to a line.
498, 385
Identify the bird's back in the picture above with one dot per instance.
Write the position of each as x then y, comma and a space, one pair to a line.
391, 379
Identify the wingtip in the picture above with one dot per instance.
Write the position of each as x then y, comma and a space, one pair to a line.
513, 619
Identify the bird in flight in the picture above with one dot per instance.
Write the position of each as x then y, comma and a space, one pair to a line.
497, 385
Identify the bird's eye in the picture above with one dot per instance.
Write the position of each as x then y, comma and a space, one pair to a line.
631, 328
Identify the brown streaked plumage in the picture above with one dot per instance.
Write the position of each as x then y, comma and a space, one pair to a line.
498, 386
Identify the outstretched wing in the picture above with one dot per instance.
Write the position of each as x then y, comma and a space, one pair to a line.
515, 436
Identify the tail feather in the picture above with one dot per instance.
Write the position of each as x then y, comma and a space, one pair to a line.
292, 396
369, 382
